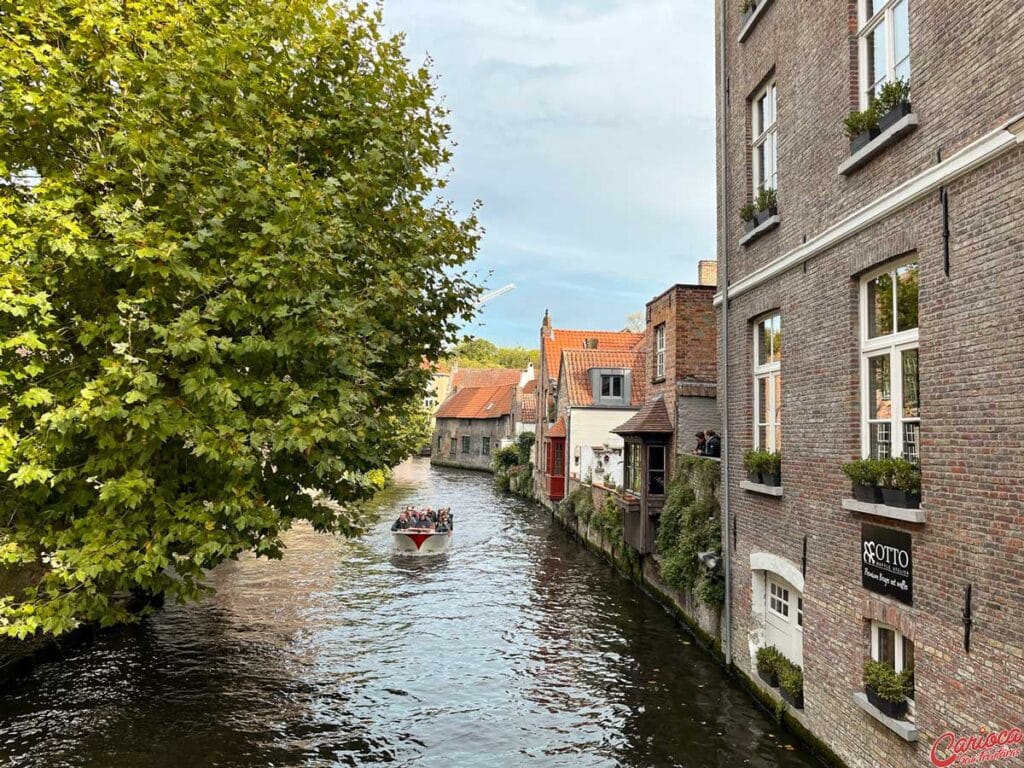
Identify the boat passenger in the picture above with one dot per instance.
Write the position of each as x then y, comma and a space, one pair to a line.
403, 522
443, 525
425, 523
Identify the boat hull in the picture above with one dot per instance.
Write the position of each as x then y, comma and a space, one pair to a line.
426, 543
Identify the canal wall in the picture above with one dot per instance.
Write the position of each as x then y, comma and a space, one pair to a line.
592, 515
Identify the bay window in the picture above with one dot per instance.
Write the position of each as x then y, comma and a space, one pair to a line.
633, 476
768, 384
765, 144
884, 45
890, 383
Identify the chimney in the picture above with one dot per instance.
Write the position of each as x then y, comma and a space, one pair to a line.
707, 272
590, 343
526, 376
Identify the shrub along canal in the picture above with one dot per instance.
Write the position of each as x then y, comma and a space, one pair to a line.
518, 648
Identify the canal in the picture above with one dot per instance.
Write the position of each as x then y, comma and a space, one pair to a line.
518, 648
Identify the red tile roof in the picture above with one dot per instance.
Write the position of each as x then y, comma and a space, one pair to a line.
558, 430
560, 338
528, 407
577, 363
478, 403
485, 377
530, 387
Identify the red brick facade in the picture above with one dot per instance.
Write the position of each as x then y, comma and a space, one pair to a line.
967, 83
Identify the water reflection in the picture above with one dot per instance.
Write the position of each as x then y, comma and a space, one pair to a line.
516, 648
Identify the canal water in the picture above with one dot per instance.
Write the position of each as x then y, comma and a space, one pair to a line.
517, 648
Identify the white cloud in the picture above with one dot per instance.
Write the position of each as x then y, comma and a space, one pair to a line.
587, 129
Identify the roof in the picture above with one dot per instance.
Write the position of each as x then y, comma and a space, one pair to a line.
478, 403
577, 364
530, 387
528, 407
560, 338
558, 430
485, 377
652, 419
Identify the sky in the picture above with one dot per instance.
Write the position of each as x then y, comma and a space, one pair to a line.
586, 129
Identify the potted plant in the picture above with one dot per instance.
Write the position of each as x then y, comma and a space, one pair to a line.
771, 472
902, 486
749, 215
747, 8
755, 463
767, 205
768, 664
892, 103
791, 683
861, 127
863, 473
886, 689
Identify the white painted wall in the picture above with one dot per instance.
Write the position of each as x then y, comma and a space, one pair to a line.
591, 428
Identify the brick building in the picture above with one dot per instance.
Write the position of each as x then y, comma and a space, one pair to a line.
867, 315
473, 423
680, 384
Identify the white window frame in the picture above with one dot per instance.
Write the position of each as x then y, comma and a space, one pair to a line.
772, 373
893, 345
612, 379
766, 135
777, 592
659, 352
900, 662
884, 16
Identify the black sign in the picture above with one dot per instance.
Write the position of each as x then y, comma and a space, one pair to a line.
887, 565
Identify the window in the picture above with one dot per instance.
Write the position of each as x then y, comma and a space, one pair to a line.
633, 476
768, 384
659, 352
890, 388
466, 442
559, 458
656, 470
765, 144
485, 446
800, 612
778, 599
890, 646
611, 386
451, 448
440, 443
884, 45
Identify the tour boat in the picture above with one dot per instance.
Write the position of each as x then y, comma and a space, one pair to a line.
421, 542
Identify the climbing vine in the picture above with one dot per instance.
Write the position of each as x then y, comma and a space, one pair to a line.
691, 523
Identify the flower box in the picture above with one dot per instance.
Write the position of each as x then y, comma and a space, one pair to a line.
770, 676
870, 494
893, 116
797, 701
894, 709
893, 497
862, 139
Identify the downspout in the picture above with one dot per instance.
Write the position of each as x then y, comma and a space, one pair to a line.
723, 281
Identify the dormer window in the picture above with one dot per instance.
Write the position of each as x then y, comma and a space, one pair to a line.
611, 385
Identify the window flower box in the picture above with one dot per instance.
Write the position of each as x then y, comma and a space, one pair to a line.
896, 497
893, 116
871, 494
750, 8
863, 138
768, 660
897, 710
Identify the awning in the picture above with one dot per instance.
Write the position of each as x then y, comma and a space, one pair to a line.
558, 430
652, 419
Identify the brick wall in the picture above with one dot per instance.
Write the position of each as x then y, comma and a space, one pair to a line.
476, 430
967, 81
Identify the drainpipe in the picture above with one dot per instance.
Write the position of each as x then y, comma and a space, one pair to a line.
723, 275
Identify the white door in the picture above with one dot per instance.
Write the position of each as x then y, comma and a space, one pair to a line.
783, 618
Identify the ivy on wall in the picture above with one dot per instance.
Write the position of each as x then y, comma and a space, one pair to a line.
691, 523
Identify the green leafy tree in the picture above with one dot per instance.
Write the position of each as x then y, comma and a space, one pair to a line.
481, 353
223, 257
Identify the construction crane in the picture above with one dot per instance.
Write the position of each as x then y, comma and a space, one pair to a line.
495, 294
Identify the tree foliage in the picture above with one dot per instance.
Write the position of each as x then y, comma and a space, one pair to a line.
481, 353
223, 257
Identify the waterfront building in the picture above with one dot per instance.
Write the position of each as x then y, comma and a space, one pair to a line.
471, 424
596, 390
680, 384
864, 313
550, 459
